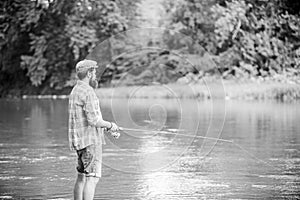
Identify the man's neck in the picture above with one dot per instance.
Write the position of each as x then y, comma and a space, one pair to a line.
85, 80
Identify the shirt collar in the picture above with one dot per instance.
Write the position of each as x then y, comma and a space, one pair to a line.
80, 82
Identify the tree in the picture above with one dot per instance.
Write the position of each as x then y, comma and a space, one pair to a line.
257, 38
264, 38
44, 39
194, 18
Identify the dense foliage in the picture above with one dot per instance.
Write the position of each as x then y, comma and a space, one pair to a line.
41, 40
248, 37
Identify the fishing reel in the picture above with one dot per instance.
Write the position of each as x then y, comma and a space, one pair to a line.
115, 134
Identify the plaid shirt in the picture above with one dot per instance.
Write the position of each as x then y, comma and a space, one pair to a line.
84, 113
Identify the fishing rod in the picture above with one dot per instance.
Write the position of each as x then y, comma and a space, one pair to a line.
175, 133
201, 137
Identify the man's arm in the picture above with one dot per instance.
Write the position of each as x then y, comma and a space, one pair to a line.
94, 119
101, 123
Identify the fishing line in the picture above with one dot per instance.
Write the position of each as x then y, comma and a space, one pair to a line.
203, 137
175, 133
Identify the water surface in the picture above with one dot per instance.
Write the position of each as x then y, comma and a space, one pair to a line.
37, 164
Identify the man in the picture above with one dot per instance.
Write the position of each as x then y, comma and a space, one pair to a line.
86, 130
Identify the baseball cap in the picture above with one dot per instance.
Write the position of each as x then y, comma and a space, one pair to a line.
84, 65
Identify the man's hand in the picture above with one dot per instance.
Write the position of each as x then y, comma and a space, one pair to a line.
114, 127
113, 130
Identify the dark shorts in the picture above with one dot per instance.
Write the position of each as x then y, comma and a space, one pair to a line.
90, 160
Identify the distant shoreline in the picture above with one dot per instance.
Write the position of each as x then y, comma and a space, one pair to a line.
219, 89
246, 90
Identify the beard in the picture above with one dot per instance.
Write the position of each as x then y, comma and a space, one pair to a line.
93, 83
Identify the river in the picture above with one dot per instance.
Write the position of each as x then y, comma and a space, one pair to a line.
258, 158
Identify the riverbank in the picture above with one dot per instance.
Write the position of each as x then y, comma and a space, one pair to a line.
243, 90
228, 89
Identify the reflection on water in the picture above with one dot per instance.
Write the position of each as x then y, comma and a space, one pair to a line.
36, 162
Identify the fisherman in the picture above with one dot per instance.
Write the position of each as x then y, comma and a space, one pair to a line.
86, 127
